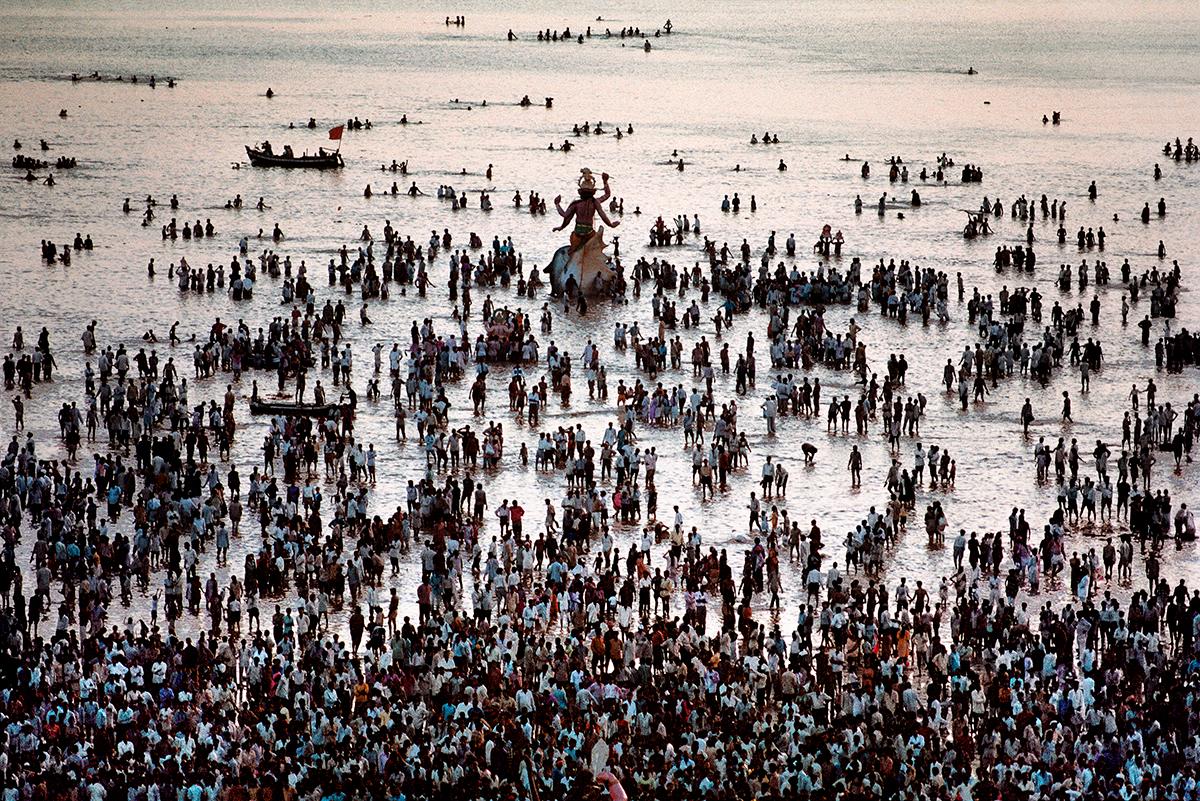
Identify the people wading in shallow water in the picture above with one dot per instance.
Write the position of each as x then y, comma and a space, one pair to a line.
212, 556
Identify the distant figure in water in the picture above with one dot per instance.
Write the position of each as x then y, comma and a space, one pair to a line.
971, 71
270, 93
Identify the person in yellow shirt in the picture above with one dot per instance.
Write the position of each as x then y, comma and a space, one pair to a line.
903, 644
362, 692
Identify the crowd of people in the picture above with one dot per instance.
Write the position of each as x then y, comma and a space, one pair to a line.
546, 663
572, 654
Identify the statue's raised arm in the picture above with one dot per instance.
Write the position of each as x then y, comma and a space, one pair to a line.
566, 213
607, 191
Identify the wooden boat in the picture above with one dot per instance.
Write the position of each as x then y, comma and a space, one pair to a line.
323, 160
290, 409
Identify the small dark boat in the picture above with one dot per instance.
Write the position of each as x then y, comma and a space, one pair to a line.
289, 409
323, 160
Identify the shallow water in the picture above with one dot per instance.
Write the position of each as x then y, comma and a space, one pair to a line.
871, 81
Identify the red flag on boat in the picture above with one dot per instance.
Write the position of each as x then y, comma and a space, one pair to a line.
336, 132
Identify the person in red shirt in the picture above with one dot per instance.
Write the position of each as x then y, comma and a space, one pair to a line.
515, 513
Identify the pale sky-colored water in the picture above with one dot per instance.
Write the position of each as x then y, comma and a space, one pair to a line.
871, 80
